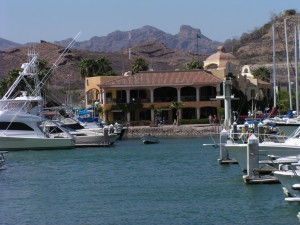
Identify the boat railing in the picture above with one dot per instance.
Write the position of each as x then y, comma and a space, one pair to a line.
243, 137
293, 167
18, 105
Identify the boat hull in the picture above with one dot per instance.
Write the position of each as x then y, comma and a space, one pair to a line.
239, 151
96, 139
150, 140
29, 143
288, 179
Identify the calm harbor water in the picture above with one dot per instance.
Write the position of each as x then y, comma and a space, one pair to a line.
177, 181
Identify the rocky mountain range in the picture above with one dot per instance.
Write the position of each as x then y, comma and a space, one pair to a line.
162, 51
6, 44
188, 39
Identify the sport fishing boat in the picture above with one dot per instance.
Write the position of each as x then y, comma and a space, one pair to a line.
21, 126
24, 131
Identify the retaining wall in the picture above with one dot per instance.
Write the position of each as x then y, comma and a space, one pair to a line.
168, 131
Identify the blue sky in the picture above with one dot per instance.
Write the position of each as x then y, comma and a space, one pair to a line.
24, 21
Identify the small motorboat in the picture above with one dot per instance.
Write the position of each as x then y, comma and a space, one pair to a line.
149, 139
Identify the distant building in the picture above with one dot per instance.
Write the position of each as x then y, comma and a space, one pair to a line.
222, 63
217, 63
254, 89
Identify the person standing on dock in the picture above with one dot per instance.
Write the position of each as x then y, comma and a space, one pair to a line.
210, 119
215, 119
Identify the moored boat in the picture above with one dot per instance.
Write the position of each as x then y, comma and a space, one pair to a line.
273, 145
149, 139
289, 177
21, 126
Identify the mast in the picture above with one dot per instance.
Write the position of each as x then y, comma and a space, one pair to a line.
55, 65
274, 67
296, 73
298, 57
129, 45
287, 64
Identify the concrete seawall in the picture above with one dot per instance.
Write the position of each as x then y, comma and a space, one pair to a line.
171, 131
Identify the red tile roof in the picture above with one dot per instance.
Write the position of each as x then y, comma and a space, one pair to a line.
169, 78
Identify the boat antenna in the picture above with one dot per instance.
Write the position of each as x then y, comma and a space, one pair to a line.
19, 78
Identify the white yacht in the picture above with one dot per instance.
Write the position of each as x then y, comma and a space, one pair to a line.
82, 135
289, 177
21, 126
288, 124
24, 131
273, 145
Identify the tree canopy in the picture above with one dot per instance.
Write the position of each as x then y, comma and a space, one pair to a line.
176, 106
262, 73
194, 65
139, 64
282, 100
95, 67
12, 75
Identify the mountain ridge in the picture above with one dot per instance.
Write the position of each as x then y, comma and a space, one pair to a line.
254, 49
185, 40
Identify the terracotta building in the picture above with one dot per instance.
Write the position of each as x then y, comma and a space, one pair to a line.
156, 89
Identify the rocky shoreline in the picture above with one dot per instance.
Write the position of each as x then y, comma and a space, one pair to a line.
172, 131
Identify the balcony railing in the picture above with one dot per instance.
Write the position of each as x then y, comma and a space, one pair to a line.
165, 99
206, 97
160, 99
188, 98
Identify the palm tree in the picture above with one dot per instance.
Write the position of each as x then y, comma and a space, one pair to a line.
262, 73
194, 65
3, 86
86, 67
157, 112
9, 80
176, 106
139, 64
103, 67
99, 110
90, 67
42, 67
